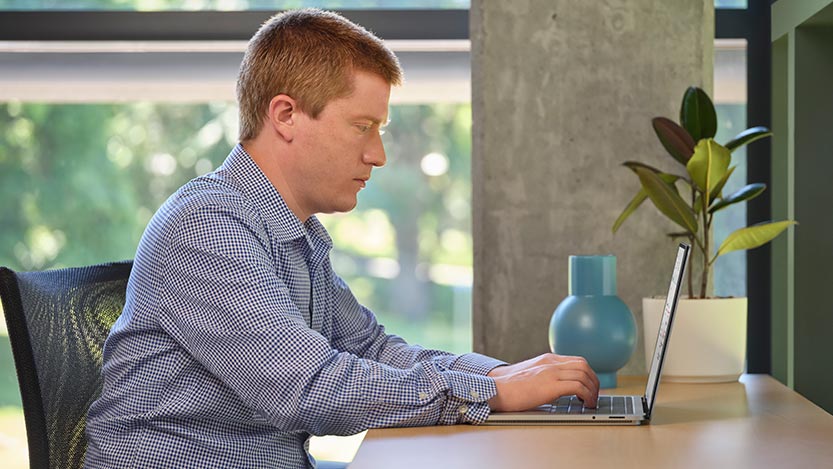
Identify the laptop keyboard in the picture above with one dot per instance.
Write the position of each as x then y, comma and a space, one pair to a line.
606, 405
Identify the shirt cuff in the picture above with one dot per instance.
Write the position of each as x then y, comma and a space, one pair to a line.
476, 363
467, 399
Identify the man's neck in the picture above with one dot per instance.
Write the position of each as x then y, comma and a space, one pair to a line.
267, 158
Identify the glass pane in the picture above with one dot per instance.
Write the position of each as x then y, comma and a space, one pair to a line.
730, 103
737, 4
81, 181
227, 5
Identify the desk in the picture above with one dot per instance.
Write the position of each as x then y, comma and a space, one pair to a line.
756, 423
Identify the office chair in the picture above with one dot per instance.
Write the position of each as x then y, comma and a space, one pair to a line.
58, 321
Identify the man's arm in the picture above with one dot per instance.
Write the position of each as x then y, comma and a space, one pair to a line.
356, 330
520, 386
226, 306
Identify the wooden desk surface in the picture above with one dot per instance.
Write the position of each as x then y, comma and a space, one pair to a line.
755, 423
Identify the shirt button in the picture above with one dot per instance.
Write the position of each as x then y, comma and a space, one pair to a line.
423, 395
464, 409
475, 394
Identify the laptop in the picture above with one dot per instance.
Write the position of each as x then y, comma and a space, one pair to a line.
610, 410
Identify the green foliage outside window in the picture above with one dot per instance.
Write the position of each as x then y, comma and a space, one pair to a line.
80, 182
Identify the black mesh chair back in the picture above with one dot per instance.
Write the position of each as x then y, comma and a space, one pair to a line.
58, 321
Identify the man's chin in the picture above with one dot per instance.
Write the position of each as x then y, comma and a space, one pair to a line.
344, 207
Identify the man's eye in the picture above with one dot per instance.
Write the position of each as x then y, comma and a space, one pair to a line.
364, 128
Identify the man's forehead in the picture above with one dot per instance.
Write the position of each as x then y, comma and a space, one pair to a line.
369, 99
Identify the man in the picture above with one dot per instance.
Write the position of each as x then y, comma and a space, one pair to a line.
238, 341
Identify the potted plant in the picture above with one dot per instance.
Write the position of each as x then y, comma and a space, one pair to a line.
709, 333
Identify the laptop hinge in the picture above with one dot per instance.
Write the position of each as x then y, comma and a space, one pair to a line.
645, 408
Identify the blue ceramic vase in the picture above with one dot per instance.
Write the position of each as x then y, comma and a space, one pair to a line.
593, 321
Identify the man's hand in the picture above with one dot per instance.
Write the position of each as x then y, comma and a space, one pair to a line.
541, 380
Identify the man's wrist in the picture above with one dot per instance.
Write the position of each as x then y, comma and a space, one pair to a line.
497, 371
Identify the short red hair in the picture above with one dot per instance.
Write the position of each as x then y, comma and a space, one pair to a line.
308, 55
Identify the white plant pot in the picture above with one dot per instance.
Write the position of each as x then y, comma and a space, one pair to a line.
707, 342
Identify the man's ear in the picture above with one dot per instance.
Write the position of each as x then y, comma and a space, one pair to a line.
282, 112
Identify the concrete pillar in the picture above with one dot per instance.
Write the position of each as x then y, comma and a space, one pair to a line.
563, 92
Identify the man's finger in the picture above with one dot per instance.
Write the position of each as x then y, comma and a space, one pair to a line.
592, 382
578, 363
579, 389
579, 376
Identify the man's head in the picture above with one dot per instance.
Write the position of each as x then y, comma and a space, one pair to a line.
311, 56
314, 91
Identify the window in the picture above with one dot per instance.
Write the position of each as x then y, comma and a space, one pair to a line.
752, 26
730, 104
96, 135
730, 4
94, 138
82, 180
86, 178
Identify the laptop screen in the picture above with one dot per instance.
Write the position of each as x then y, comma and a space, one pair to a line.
665, 325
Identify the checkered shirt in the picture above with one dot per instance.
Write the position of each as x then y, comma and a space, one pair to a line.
238, 341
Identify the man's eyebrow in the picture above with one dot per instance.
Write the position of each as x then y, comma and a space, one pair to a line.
375, 120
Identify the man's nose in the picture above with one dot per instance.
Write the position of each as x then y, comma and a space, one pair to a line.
375, 152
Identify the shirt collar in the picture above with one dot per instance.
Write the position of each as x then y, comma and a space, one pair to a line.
280, 221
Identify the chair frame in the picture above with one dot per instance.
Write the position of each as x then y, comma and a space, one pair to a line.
24, 359
33, 414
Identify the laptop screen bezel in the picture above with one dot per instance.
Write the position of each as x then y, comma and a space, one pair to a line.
676, 277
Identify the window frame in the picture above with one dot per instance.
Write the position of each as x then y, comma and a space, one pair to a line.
411, 24
751, 24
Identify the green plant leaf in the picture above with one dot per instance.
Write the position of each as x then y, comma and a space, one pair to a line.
666, 199
708, 165
639, 198
697, 114
667, 177
637, 164
752, 236
716, 192
745, 193
698, 204
632, 206
674, 138
748, 136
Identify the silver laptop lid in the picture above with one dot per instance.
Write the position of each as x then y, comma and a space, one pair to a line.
665, 325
